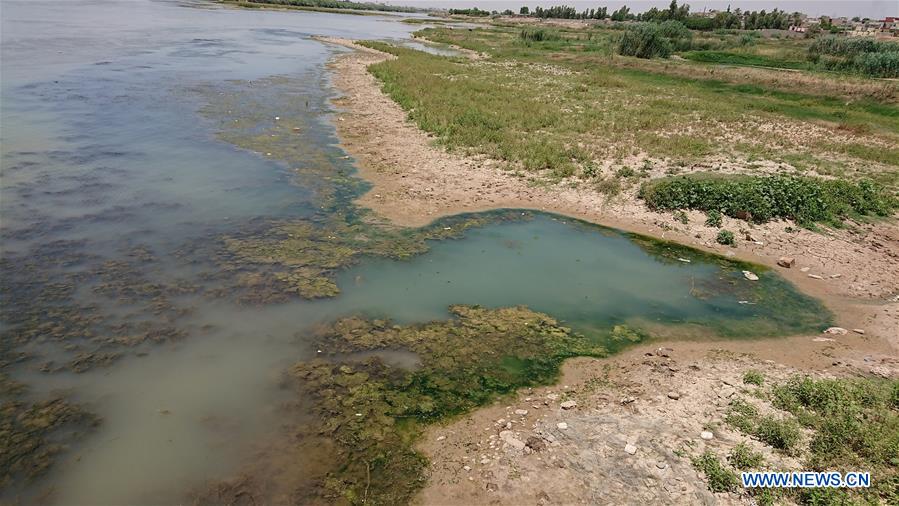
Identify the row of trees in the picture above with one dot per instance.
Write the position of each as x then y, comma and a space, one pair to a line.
736, 19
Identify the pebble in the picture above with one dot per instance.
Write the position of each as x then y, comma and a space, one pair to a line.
562, 425
750, 276
859, 331
441, 438
804, 269
836, 331
786, 262
568, 404
815, 276
552, 397
521, 412
673, 395
467, 468
630, 449
706, 435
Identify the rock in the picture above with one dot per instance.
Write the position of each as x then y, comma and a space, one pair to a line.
822, 339
552, 397
628, 400
815, 276
441, 438
535, 443
662, 464
835, 276
568, 404
836, 331
673, 395
664, 352
467, 468
521, 412
750, 276
706, 435
561, 425
509, 438
684, 260
630, 449
804, 269
786, 262
492, 487
543, 498
858, 331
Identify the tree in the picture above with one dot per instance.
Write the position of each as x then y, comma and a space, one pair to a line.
524, 11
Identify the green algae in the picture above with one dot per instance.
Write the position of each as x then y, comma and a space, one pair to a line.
306, 256
32, 433
375, 412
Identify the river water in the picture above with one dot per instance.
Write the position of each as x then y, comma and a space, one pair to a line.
138, 136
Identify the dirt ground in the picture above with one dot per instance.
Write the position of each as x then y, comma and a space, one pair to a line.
479, 459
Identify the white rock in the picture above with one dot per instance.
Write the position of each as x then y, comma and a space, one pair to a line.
441, 438
836, 331
509, 438
521, 412
562, 425
673, 395
630, 449
815, 276
467, 468
706, 435
568, 404
552, 397
750, 276
858, 331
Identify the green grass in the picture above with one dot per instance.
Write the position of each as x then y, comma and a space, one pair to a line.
719, 477
559, 100
753, 377
734, 58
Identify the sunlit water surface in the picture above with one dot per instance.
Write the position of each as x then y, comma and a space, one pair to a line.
105, 143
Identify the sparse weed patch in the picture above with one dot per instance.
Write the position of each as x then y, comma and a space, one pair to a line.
753, 377
743, 457
719, 478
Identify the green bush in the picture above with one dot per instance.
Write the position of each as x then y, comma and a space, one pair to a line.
719, 477
644, 40
753, 377
725, 237
742, 457
867, 56
807, 200
781, 434
538, 34
713, 218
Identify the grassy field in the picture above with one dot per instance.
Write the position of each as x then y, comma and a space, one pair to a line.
562, 102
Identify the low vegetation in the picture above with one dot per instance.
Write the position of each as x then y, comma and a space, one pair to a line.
560, 102
719, 477
762, 198
851, 424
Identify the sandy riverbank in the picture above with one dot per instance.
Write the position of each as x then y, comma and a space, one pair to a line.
474, 460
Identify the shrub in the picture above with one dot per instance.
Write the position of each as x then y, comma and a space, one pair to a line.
867, 56
538, 34
644, 40
681, 217
713, 218
807, 200
781, 434
609, 186
742, 416
742, 457
753, 377
725, 237
720, 478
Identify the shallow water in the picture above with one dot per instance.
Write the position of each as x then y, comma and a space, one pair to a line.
121, 174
